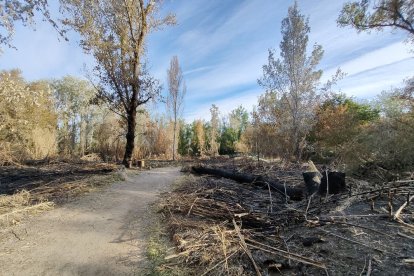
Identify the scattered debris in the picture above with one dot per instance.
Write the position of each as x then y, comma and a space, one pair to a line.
222, 227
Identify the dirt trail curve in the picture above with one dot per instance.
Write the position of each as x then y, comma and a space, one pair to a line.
98, 234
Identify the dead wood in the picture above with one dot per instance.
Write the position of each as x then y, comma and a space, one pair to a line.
353, 241
245, 248
293, 192
283, 236
332, 183
397, 214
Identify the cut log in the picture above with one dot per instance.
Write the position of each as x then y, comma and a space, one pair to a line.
292, 192
312, 182
335, 181
312, 178
327, 182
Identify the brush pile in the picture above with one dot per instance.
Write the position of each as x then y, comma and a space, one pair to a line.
221, 227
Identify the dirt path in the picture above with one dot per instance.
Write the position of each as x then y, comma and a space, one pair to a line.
98, 234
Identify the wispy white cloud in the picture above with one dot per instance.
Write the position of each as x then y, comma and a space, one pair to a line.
384, 56
197, 70
370, 83
41, 53
227, 76
222, 46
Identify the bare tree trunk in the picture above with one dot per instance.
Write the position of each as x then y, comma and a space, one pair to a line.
82, 135
175, 130
130, 136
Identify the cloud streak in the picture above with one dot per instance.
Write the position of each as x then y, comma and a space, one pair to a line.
222, 46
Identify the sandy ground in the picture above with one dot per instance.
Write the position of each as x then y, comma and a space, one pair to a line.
97, 234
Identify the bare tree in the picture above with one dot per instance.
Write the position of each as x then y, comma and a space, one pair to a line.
176, 93
114, 32
214, 130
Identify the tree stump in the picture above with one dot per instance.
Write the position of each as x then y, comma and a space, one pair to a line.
140, 164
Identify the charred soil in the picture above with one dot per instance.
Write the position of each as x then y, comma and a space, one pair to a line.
222, 227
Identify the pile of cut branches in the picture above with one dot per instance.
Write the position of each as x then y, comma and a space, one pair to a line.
221, 227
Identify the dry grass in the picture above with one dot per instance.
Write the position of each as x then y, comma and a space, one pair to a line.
15, 208
22, 204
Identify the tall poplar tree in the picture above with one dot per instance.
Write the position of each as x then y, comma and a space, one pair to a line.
292, 81
176, 93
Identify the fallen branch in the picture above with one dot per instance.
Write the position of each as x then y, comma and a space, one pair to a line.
284, 253
405, 236
293, 193
244, 246
355, 225
353, 241
369, 270
219, 263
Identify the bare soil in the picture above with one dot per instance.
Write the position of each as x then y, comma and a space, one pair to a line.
100, 233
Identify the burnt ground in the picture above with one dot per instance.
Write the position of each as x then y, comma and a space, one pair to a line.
221, 227
13, 178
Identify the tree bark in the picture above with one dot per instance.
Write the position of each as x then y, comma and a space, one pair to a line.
130, 137
175, 130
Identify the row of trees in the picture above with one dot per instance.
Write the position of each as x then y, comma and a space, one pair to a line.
220, 135
62, 118
114, 33
296, 116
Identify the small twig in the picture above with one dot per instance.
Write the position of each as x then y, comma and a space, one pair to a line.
405, 236
408, 261
307, 207
286, 196
223, 242
191, 208
390, 209
363, 269
353, 241
270, 197
355, 225
14, 233
245, 248
327, 185
219, 263
284, 253
405, 224
358, 216
397, 214
369, 270
287, 249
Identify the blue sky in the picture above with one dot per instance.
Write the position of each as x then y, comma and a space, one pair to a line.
222, 46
